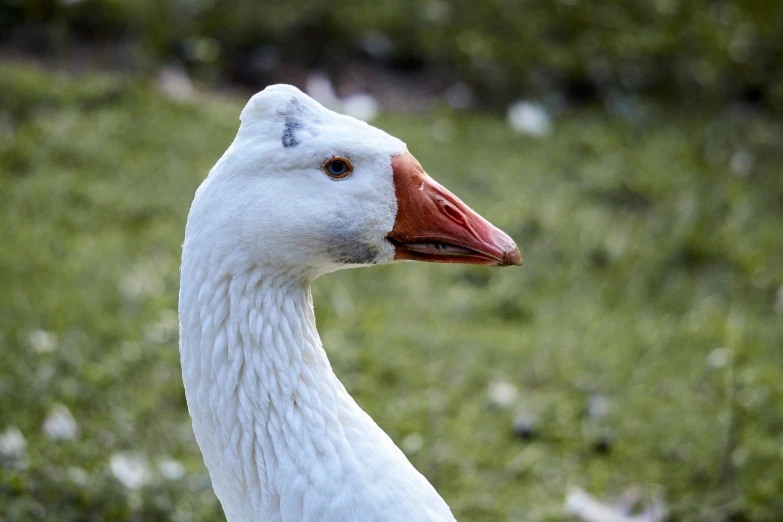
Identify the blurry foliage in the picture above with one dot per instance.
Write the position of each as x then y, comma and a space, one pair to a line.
643, 331
716, 49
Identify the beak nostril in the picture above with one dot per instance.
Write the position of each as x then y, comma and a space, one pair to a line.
453, 213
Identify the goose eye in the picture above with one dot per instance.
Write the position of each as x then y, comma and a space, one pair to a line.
338, 167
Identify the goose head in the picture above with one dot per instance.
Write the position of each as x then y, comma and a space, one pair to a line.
304, 188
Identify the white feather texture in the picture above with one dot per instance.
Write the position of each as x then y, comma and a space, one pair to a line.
282, 439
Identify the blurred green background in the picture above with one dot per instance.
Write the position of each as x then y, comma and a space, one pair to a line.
634, 151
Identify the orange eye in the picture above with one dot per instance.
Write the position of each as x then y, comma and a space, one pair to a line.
337, 167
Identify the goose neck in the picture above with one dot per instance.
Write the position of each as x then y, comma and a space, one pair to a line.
265, 404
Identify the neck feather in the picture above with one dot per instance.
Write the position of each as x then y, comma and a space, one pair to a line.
259, 386
279, 433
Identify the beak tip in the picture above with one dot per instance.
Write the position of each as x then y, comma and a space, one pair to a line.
512, 256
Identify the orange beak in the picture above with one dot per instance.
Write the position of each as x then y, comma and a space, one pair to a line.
433, 225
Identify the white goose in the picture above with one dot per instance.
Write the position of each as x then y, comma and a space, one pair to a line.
303, 191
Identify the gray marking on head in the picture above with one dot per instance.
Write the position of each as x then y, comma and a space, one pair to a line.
289, 138
352, 252
346, 245
293, 113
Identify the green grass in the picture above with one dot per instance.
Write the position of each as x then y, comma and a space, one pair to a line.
644, 252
